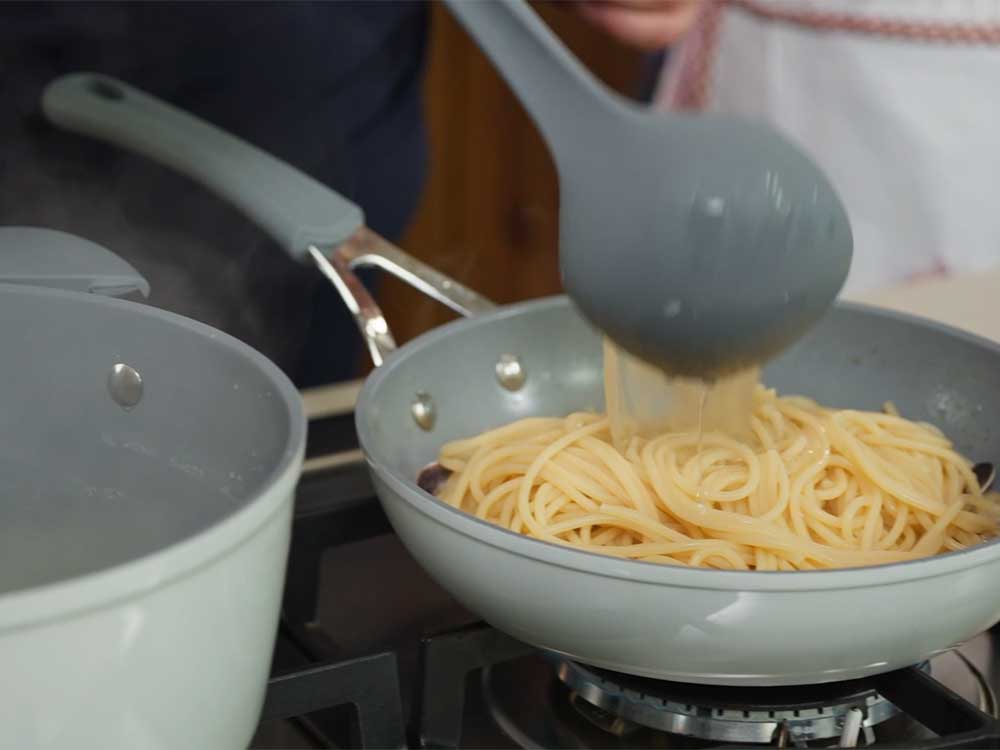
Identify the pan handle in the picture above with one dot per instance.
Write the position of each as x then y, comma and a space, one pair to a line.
365, 249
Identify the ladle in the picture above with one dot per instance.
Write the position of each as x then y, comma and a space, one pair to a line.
701, 244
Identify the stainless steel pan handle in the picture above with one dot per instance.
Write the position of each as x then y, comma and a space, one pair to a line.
300, 213
366, 249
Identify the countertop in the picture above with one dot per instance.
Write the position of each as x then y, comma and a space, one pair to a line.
970, 302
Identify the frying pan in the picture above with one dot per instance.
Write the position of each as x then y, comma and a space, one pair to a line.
542, 358
147, 469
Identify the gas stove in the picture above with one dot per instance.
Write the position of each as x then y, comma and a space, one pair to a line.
371, 653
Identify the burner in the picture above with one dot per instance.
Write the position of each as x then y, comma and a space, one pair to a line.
545, 701
725, 714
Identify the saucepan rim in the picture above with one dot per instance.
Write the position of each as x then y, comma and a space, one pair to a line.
610, 567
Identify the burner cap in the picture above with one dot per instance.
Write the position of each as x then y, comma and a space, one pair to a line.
727, 714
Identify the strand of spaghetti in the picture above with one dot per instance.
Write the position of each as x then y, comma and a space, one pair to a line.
484, 507
934, 537
623, 472
873, 524
524, 493
868, 463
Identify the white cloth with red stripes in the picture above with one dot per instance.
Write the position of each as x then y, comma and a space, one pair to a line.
897, 100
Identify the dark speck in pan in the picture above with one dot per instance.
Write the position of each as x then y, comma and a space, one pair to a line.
431, 477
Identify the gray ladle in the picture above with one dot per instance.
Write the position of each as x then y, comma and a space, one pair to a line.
700, 244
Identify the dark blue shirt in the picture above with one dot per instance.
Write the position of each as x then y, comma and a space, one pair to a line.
331, 87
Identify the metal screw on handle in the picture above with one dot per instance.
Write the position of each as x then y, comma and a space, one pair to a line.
365, 249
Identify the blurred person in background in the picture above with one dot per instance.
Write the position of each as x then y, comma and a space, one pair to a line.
891, 97
331, 87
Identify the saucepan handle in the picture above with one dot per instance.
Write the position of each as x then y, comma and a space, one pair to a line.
299, 212
292, 207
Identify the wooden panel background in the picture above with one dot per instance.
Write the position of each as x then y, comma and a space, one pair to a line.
489, 214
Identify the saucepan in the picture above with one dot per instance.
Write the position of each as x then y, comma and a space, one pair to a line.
541, 358
147, 469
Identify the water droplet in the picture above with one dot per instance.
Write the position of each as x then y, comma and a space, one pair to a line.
673, 308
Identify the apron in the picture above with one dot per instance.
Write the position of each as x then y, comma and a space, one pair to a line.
896, 100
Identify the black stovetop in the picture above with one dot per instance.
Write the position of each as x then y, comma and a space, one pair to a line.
372, 653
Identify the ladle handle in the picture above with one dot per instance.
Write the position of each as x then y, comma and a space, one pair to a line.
575, 112
296, 210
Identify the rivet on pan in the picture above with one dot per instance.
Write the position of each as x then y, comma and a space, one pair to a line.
510, 373
125, 385
422, 410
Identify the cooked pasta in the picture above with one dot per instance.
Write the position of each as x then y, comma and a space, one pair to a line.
813, 488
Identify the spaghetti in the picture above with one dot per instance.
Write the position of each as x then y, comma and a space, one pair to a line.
812, 488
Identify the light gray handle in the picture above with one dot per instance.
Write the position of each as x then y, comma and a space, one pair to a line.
45, 257
574, 111
296, 210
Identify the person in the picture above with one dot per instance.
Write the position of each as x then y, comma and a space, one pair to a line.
648, 25
332, 88
892, 101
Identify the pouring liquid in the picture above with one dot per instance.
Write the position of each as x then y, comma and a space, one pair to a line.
705, 387
643, 401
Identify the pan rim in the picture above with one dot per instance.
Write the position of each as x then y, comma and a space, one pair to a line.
122, 581
637, 570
